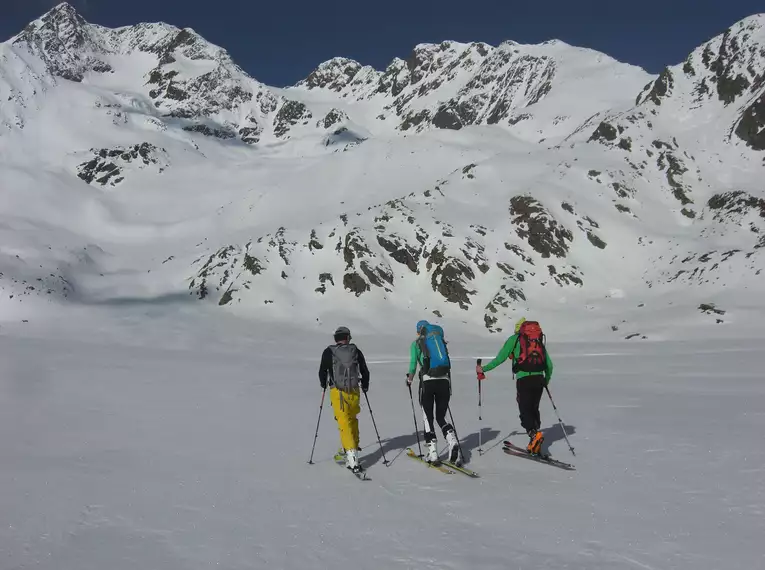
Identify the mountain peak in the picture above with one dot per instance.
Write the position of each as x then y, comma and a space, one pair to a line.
334, 74
64, 17
62, 10
60, 38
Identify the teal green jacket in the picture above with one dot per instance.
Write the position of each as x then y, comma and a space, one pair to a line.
415, 357
508, 352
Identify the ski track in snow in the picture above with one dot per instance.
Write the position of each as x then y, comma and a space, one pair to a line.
127, 451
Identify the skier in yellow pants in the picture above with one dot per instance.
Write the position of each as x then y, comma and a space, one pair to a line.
346, 407
344, 369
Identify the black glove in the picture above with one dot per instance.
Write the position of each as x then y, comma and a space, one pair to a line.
323, 385
365, 388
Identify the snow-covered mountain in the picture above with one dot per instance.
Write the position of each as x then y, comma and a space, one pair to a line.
467, 181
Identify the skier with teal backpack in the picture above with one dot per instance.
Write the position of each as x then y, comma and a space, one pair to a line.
430, 353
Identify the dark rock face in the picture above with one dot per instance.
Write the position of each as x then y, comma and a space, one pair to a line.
323, 279
108, 165
731, 56
539, 228
450, 276
415, 120
333, 75
604, 133
221, 260
291, 113
508, 295
514, 81
751, 126
223, 134
400, 251
675, 168
447, 118
355, 283
344, 138
595, 240
727, 68
395, 78
733, 207
333, 117
659, 89
250, 135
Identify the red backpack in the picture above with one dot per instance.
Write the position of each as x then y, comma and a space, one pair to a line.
531, 357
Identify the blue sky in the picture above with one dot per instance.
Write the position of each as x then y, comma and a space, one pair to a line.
279, 42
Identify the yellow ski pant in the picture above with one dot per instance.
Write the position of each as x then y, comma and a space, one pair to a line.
346, 407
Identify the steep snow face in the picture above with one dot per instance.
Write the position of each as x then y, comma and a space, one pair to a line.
721, 82
23, 81
470, 183
186, 78
535, 91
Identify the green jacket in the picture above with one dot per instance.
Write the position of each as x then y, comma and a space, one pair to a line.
505, 353
415, 357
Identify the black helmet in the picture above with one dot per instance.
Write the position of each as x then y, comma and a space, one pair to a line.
342, 333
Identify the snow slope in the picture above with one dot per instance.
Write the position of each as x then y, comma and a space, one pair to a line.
468, 182
178, 240
177, 441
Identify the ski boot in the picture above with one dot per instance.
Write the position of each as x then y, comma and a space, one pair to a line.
454, 448
431, 454
340, 455
535, 442
352, 461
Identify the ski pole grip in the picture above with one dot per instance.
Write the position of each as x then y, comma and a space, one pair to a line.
481, 375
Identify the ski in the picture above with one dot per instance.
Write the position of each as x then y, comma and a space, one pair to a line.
360, 475
463, 470
511, 449
440, 465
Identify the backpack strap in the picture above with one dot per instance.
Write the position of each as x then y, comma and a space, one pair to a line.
512, 352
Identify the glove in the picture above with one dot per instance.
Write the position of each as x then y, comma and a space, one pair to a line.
409, 379
365, 388
479, 372
324, 385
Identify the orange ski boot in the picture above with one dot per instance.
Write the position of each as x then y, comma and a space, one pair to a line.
535, 444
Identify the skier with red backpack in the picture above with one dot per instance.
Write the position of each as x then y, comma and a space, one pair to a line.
533, 370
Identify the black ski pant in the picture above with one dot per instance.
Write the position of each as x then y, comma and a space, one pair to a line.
435, 393
529, 393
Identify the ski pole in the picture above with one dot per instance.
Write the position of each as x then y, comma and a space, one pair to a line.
480, 419
315, 437
459, 445
385, 461
560, 421
414, 415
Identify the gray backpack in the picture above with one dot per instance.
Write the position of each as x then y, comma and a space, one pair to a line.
346, 375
